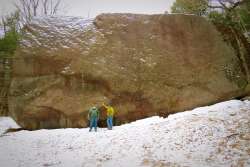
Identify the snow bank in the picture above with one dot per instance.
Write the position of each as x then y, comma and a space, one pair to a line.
7, 123
217, 135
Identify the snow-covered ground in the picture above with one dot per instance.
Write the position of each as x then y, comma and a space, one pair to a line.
1, 32
217, 135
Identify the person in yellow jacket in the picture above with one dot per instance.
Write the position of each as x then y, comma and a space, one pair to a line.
110, 114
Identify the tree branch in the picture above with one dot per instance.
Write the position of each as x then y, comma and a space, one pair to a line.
237, 4
55, 8
215, 7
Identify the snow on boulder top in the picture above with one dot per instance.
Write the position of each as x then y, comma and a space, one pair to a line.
54, 32
61, 22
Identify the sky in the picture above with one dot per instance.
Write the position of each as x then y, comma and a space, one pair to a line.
91, 8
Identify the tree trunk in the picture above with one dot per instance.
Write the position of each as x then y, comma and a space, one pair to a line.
242, 53
5, 80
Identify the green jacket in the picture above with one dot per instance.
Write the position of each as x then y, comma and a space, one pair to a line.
93, 113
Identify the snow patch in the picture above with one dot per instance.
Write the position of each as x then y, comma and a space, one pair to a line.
7, 123
217, 135
53, 30
2, 33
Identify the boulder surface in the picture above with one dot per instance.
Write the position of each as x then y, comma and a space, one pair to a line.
143, 65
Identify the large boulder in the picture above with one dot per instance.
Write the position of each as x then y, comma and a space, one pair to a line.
143, 65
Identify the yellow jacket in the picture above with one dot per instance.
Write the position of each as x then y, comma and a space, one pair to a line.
110, 110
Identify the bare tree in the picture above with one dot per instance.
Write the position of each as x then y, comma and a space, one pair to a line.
24, 8
55, 7
34, 5
31, 8
227, 5
45, 6
10, 22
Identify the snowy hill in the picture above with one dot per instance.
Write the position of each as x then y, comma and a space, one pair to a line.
217, 135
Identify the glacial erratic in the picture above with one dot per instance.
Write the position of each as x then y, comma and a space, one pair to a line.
144, 65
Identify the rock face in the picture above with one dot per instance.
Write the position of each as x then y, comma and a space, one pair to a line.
143, 64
